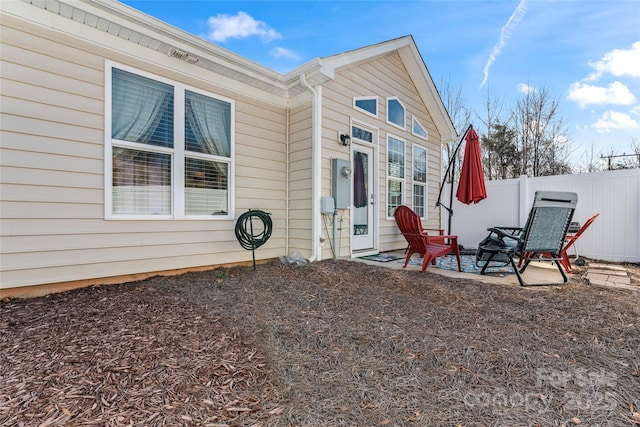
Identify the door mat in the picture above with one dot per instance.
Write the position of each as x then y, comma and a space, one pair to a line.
468, 265
381, 257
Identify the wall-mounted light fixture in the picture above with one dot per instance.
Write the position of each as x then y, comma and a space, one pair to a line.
345, 139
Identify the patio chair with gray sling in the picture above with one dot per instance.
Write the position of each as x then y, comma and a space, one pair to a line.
543, 234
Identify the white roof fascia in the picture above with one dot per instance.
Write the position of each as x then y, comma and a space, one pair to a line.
313, 73
320, 70
98, 22
430, 95
167, 31
410, 55
77, 30
116, 19
364, 54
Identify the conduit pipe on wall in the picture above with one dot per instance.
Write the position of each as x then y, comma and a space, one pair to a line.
316, 166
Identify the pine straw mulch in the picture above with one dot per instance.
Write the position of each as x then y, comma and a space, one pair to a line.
334, 343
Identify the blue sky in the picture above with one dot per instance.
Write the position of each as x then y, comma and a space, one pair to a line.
586, 52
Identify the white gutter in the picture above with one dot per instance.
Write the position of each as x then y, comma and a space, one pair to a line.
316, 167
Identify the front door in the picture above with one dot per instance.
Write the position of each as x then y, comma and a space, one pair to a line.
363, 203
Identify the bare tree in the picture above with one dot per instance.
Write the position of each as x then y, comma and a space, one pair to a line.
530, 140
590, 161
493, 112
454, 101
542, 140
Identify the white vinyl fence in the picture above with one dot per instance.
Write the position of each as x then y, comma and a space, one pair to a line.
615, 195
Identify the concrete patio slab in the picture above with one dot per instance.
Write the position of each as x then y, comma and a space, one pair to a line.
608, 275
537, 272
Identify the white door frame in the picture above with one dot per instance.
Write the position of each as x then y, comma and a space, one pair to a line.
363, 245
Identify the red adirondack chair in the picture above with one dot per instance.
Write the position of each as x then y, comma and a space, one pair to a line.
429, 248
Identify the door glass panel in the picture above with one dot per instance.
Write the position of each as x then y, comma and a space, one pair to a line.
360, 194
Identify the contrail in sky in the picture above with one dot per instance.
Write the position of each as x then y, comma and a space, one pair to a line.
505, 33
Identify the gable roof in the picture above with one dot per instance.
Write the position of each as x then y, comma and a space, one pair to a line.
321, 70
133, 26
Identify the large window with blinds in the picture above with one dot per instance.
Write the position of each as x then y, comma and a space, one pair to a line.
169, 149
420, 181
395, 174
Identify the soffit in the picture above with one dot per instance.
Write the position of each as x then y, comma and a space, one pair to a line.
148, 32
135, 27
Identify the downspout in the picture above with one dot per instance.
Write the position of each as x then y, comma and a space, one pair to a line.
316, 166
288, 179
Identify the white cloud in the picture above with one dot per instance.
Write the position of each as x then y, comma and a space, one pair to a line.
281, 52
614, 120
505, 33
526, 89
616, 93
618, 62
241, 25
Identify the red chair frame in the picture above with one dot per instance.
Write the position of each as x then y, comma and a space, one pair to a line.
570, 240
420, 242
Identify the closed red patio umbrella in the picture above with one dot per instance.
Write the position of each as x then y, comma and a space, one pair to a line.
471, 188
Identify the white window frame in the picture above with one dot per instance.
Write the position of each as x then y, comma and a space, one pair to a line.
415, 183
366, 128
402, 179
366, 98
404, 113
177, 152
414, 122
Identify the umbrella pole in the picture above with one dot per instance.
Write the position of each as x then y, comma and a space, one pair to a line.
452, 162
453, 178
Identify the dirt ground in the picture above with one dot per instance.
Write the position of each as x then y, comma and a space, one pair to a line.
333, 343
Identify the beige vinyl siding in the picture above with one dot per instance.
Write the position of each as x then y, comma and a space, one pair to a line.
300, 180
383, 77
52, 165
52, 169
335, 120
414, 106
260, 158
333, 149
337, 112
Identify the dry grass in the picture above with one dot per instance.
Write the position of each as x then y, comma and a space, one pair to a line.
335, 343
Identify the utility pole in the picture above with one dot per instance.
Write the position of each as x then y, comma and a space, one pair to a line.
619, 155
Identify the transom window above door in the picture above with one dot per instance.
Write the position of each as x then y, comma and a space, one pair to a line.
361, 134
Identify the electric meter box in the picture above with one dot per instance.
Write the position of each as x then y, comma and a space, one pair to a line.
341, 183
